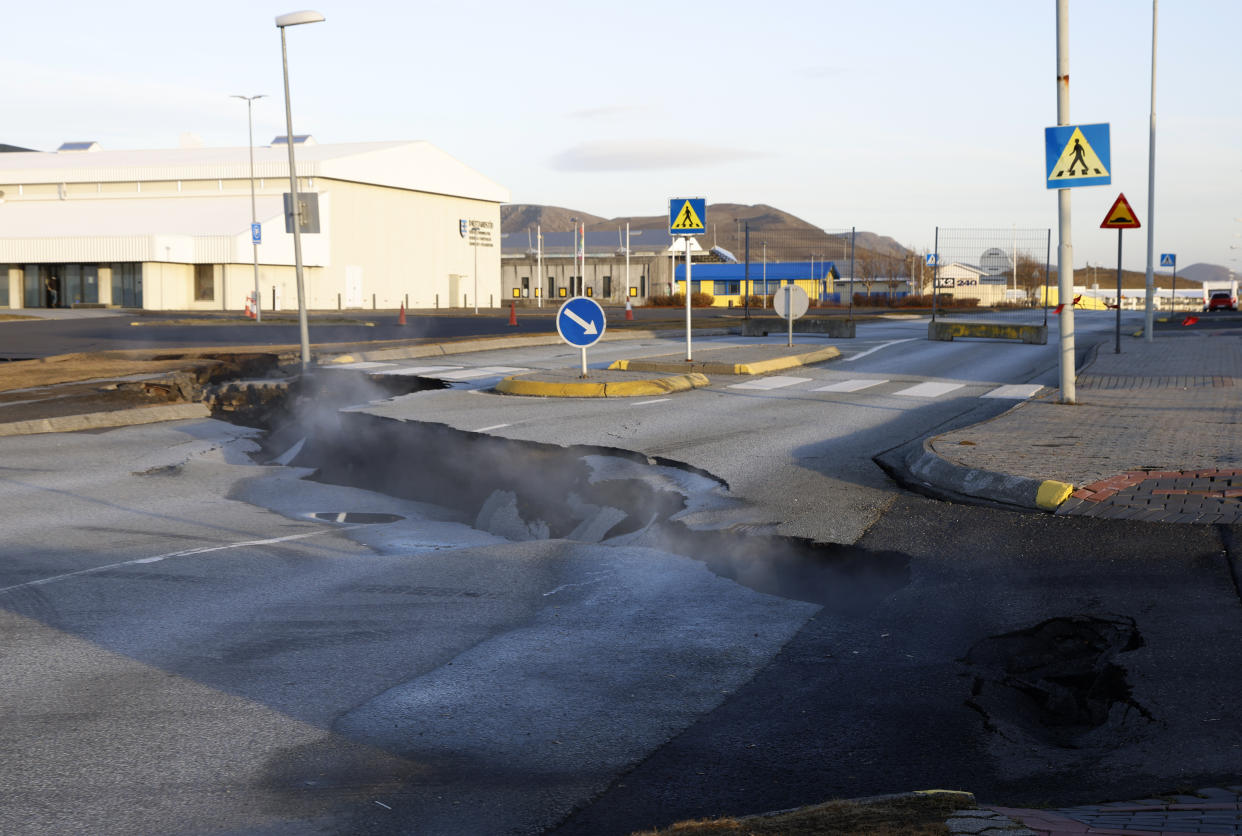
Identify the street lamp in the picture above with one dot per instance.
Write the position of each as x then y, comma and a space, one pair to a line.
258, 317
286, 20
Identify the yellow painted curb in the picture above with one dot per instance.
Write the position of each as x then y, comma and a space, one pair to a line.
1052, 493
778, 364
588, 389
707, 367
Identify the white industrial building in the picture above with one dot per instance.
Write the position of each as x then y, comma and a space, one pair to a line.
397, 223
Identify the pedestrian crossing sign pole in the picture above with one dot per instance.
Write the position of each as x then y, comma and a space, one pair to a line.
687, 216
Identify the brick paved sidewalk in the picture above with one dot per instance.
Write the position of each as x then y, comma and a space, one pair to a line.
1213, 810
1158, 419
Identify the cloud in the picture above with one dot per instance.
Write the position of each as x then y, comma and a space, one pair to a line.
642, 155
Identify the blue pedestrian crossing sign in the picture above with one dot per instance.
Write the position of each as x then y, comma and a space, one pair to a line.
256, 233
687, 216
933, 259
580, 321
1168, 260
1077, 155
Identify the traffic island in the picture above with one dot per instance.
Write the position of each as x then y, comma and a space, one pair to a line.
569, 383
946, 330
732, 360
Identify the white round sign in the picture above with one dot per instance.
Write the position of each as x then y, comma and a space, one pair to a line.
790, 301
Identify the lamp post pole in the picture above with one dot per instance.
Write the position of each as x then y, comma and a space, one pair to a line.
258, 316
282, 22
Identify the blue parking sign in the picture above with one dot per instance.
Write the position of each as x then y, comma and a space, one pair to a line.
256, 233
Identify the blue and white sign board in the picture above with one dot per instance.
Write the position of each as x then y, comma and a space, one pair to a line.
933, 259
687, 215
580, 321
256, 233
1077, 155
1168, 259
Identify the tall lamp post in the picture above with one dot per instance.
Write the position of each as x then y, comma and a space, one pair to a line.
282, 22
258, 317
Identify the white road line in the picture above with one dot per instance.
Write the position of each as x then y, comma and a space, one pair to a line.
493, 427
879, 347
361, 364
485, 371
1015, 392
774, 382
159, 557
929, 390
849, 386
657, 400
421, 370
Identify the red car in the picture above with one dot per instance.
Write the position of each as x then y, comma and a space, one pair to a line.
1221, 301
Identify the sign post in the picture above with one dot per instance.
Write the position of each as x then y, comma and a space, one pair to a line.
1120, 217
790, 302
687, 216
1170, 260
581, 322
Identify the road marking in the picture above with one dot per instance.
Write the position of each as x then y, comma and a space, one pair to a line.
849, 386
159, 557
361, 364
774, 382
929, 390
657, 400
877, 348
1015, 392
485, 371
493, 427
421, 370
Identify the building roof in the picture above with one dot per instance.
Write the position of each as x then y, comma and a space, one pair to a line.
643, 242
417, 166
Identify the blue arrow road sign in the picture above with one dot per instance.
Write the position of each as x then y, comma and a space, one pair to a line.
932, 259
1168, 260
256, 233
580, 321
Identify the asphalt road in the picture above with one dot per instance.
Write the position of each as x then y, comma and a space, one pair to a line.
188, 649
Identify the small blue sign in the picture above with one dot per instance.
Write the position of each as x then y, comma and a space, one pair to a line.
933, 259
1168, 260
580, 321
687, 215
256, 233
1077, 155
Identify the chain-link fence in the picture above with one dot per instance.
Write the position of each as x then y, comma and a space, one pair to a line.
772, 253
1003, 272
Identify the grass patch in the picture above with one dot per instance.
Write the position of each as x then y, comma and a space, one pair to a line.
7, 317
902, 815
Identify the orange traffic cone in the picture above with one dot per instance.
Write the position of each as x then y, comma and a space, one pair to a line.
513, 313
401, 316
250, 306
629, 312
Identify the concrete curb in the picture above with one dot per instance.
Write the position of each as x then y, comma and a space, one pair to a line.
103, 420
614, 389
937, 473
776, 364
413, 352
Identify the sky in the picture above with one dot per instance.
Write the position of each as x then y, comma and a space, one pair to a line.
892, 116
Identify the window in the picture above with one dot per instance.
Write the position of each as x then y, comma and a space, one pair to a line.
204, 282
607, 287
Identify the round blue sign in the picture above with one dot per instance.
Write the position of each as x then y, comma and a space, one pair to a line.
580, 321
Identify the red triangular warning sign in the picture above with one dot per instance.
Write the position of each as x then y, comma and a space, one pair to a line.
1121, 216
